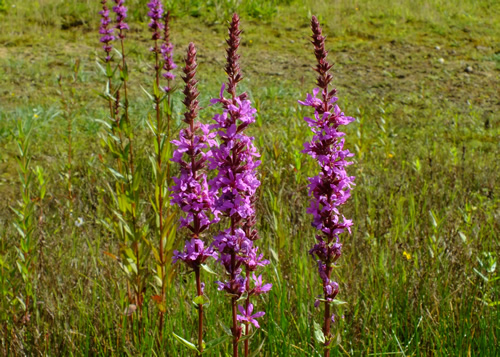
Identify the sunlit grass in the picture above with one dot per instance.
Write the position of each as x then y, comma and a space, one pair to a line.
418, 272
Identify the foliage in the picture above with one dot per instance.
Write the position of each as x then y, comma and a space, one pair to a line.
421, 275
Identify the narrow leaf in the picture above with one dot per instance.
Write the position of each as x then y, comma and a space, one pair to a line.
185, 342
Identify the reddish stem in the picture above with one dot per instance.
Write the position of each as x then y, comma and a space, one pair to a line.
200, 311
247, 303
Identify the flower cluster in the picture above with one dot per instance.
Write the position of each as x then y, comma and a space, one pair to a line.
167, 50
121, 14
195, 253
106, 31
235, 157
236, 250
155, 13
246, 315
190, 191
331, 187
235, 160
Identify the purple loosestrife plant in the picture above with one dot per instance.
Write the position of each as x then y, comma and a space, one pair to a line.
156, 14
107, 38
331, 187
121, 14
160, 160
126, 201
167, 51
236, 184
106, 31
191, 192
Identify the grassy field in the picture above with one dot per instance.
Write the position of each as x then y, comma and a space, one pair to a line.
420, 270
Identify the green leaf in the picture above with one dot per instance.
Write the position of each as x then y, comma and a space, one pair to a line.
275, 256
207, 269
215, 343
147, 93
101, 67
433, 218
21, 302
256, 352
247, 337
185, 342
156, 90
116, 173
201, 300
124, 73
243, 296
339, 302
226, 329
109, 70
318, 333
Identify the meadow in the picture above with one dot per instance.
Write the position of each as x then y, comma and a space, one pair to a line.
419, 272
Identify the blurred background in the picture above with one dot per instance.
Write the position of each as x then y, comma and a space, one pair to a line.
419, 272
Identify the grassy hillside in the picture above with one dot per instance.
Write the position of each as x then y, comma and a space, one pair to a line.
419, 272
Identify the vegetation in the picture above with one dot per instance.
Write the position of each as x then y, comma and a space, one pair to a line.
419, 272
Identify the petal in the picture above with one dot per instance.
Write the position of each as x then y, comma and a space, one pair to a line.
258, 314
255, 323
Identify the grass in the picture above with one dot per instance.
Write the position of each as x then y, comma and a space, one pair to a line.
419, 271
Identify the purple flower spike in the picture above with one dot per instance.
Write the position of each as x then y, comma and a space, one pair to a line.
167, 50
236, 184
194, 253
246, 315
190, 191
156, 14
106, 31
332, 186
259, 288
121, 14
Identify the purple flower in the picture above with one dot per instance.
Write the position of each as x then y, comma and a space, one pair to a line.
190, 191
236, 161
311, 100
121, 14
259, 288
255, 260
236, 178
155, 13
332, 186
105, 31
167, 49
235, 287
246, 315
194, 253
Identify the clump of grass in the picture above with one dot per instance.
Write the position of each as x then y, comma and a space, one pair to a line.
425, 141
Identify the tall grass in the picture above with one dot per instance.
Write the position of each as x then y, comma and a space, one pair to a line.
420, 273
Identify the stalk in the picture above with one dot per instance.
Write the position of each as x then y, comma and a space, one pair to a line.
247, 304
331, 187
123, 67
121, 11
159, 164
200, 311
156, 15
237, 181
190, 191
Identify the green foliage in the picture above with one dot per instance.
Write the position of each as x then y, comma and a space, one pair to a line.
420, 272
215, 10
19, 261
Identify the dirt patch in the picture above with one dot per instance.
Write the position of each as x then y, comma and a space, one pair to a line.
4, 53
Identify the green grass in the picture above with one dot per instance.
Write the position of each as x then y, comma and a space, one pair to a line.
426, 146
